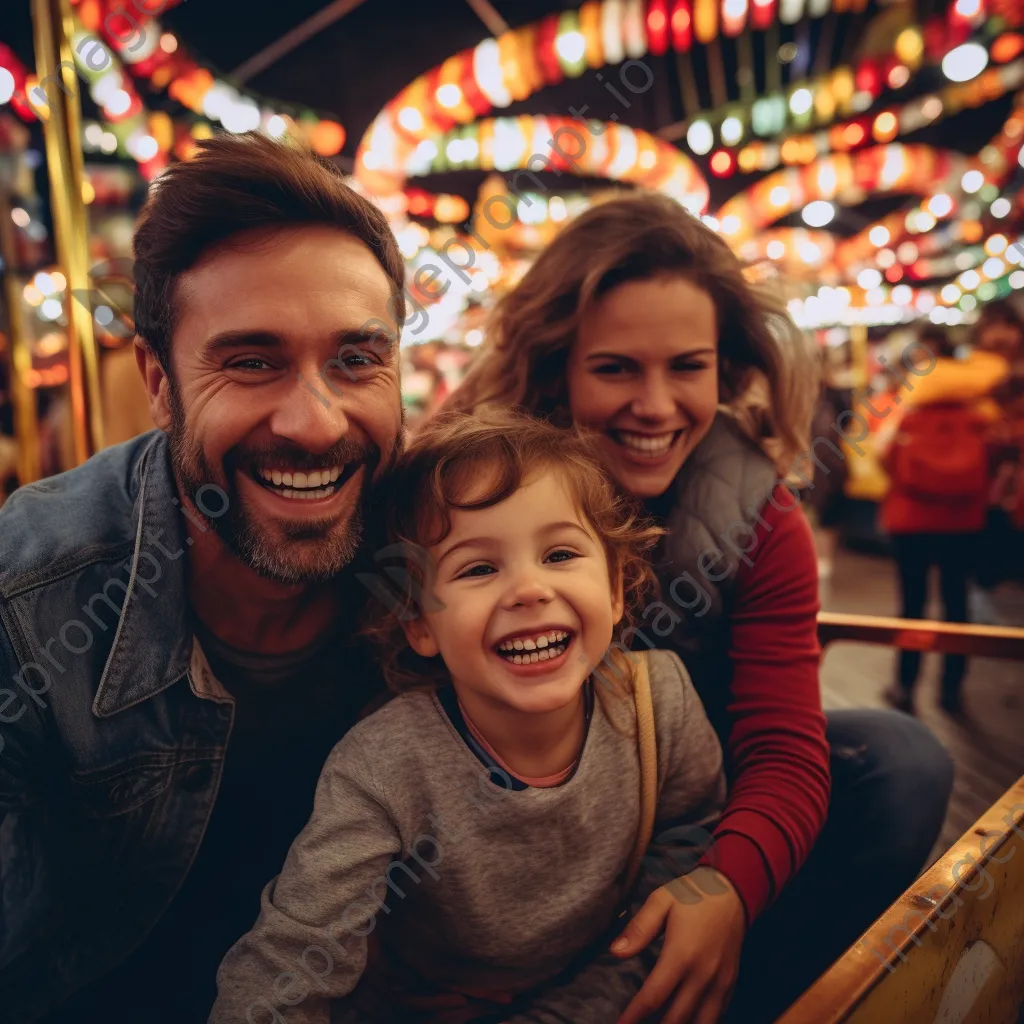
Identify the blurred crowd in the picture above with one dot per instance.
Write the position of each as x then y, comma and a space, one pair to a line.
947, 434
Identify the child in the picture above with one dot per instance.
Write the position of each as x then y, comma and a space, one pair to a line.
476, 831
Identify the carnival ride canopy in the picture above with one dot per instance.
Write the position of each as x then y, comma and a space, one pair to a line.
869, 152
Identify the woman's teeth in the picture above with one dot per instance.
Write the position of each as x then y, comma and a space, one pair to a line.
308, 486
528, 650
648, 444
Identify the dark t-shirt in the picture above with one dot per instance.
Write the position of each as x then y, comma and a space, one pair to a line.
290, 711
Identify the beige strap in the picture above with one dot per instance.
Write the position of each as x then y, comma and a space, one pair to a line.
648, 749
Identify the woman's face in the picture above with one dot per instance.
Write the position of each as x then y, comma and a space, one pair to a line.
643, 371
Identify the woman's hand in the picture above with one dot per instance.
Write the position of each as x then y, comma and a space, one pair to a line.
704, 927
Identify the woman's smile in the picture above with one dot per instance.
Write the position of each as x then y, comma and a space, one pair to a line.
647, 449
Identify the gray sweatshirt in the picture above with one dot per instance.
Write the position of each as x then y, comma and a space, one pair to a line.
461, 881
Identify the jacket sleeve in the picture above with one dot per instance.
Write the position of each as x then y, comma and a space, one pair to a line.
778, 751
22, 755
316, 911
21, 738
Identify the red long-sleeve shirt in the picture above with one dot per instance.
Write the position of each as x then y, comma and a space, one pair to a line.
780, 781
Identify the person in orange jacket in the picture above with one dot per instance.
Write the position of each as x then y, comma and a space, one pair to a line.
935, 451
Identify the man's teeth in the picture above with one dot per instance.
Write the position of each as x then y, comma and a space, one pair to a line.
312, 485
320, 492
646, 443
539, 647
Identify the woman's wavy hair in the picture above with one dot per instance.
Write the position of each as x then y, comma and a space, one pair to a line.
768, 370
468, 462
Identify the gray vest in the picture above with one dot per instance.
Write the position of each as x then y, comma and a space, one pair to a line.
714, 504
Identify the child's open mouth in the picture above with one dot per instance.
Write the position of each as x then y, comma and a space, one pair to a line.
532, 648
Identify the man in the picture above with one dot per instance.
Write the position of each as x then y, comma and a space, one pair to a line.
177, 625
178, 615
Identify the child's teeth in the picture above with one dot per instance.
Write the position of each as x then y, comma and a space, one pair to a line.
544, 648
532, 657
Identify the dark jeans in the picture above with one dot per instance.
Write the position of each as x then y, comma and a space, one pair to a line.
891, 781
915, 554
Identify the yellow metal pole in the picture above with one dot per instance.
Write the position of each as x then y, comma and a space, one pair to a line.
62, 129
859, 356
23, 398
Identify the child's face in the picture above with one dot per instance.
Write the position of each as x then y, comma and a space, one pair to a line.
518, 581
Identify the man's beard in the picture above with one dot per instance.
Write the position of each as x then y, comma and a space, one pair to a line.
299, 551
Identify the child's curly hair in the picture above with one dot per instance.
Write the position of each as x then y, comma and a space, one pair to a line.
450, 454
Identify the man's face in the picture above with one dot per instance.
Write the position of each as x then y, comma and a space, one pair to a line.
254, 316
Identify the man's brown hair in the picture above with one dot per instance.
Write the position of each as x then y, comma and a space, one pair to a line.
233, 184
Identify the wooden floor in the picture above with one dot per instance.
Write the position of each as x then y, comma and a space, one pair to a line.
988, 746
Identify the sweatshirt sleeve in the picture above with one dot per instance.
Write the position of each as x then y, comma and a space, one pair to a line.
691, 792
597, 994
600, 990
316, 911
691, 783
777, 746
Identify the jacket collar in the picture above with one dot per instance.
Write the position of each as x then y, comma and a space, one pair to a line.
152, 647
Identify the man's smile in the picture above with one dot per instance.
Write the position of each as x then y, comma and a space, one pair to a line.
303, 491
309, 485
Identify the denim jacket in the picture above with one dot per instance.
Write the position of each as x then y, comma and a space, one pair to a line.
112, 727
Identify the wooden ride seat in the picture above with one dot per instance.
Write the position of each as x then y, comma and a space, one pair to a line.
950, 950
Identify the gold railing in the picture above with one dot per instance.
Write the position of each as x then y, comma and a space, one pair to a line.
923, 635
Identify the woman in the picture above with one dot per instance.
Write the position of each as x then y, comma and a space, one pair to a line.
637, 322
